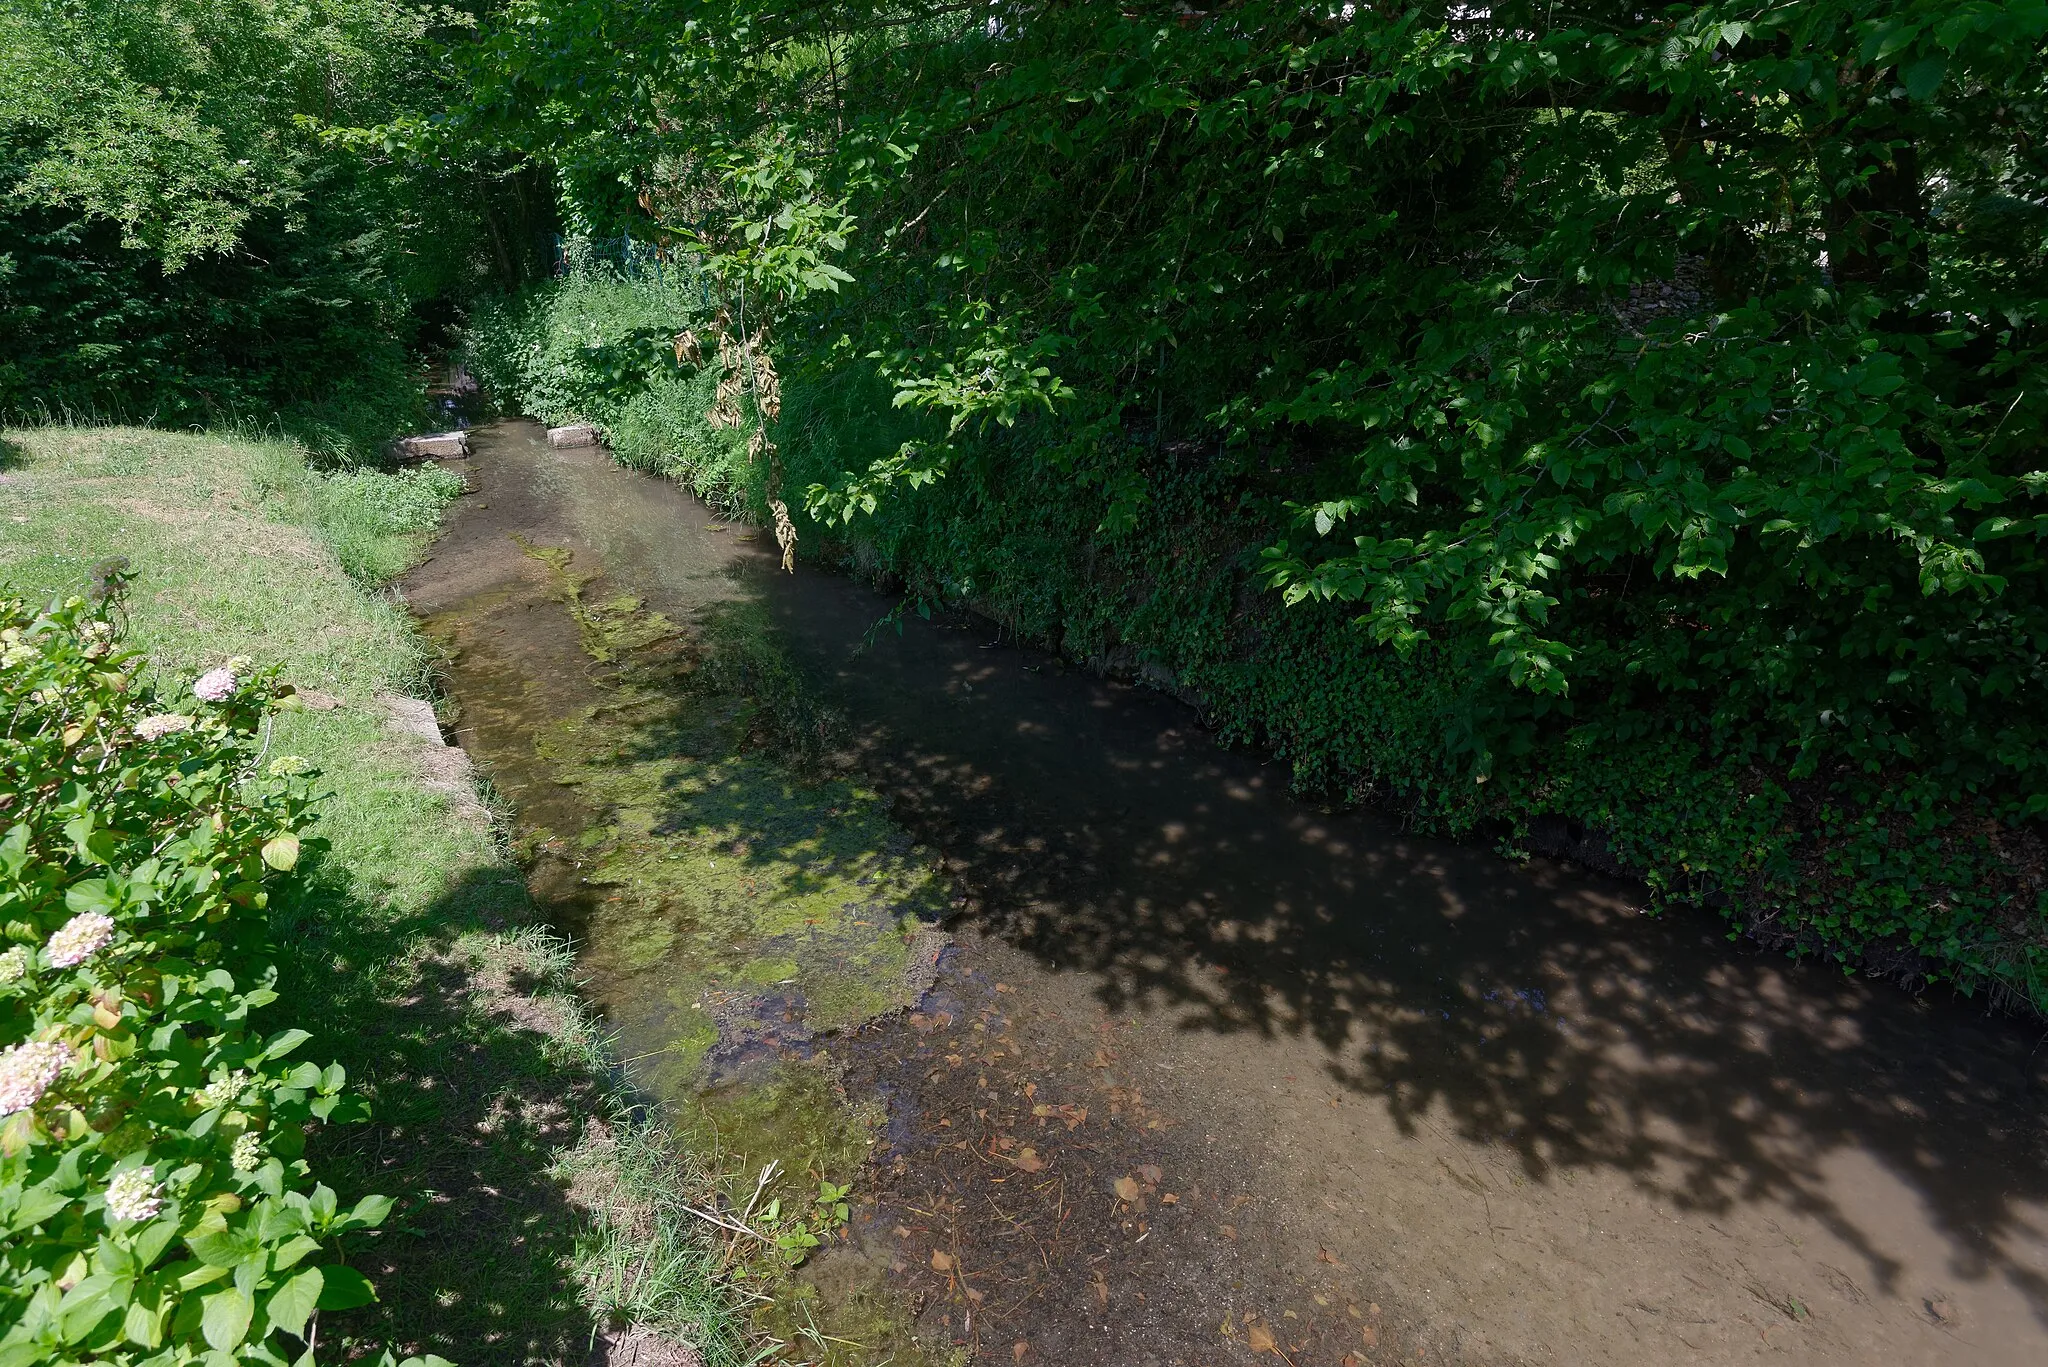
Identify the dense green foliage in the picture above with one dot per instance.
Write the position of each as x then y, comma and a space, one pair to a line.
597, 347
1649, 398
157, 1204
188, 233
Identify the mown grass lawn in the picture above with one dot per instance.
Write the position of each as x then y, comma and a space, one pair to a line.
535, 1214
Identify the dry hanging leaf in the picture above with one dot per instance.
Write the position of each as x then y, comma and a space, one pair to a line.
785, 533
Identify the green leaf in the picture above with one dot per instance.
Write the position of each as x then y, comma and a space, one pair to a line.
1922, 78
292, 1304
283, 1042
281, 852
226, 1321
344, 1288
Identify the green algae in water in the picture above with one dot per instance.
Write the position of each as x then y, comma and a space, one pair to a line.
729, 909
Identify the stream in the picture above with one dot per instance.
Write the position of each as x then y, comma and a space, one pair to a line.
1157, 1064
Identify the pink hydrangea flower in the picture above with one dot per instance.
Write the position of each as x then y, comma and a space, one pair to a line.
216, 685
26, 1072
79, 938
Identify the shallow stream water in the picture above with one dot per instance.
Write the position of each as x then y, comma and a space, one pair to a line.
1208, 1075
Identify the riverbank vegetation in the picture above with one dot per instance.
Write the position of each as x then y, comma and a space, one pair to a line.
533, 1211
194, 229
1618, 432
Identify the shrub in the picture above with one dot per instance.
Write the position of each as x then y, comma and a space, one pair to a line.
599, 347
155, 1199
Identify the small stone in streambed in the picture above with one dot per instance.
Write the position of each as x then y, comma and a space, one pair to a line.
577, 434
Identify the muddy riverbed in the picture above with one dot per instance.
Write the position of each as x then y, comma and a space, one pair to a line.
1194, 1073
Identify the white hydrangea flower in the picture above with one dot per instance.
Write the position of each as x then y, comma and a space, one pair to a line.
14, 964
26, 1072
79, 938
162, 724
289, 766
247, 1154
132, 1195
97, 631
223, 1090
17, 654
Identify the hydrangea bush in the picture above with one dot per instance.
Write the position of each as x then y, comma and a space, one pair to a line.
155, 1205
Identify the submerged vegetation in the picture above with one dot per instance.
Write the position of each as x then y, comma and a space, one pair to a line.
1619, 430
737, 903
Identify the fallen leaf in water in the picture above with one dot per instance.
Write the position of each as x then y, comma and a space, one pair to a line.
975, 1296
1349, 1360
1227, 1231
955, 1060
1018, 1350
1030, 1089
941, 1261
1004, 987
1323, 1255
1322, 1300
903, 1231
1101, 1291
1127, 1188
946, 1122
1259, 1339
1169, 1200
1370, 1335
1004, 1143
1027, 1159
1372, 1308
1150, 1174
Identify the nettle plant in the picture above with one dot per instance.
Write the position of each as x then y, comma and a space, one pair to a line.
155, 1201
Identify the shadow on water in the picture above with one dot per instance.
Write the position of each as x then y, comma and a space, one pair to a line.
1525, 1012
1532, 1005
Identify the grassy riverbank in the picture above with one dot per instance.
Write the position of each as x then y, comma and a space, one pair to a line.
533, 1216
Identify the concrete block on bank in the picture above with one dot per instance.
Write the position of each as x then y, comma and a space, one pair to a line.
578, 434
438, 446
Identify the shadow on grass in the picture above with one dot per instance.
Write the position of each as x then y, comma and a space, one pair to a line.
469, 1057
